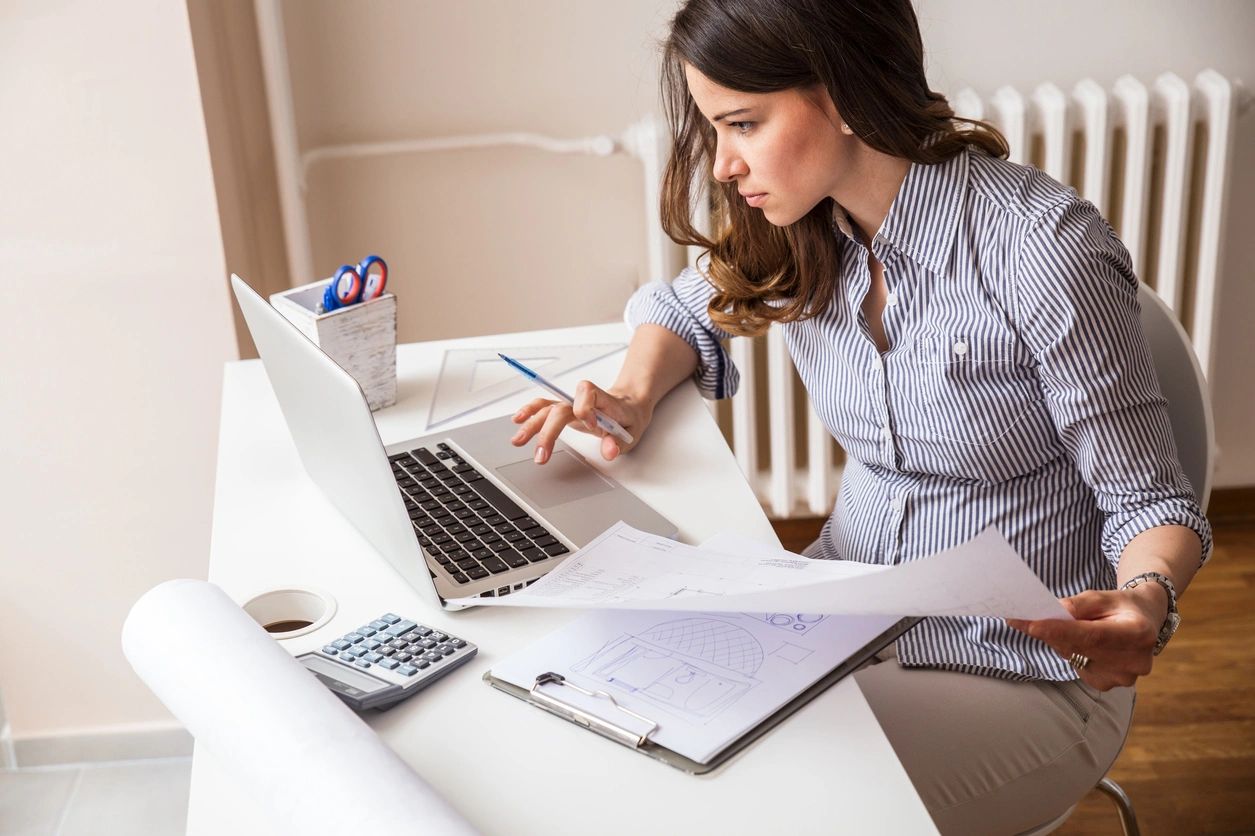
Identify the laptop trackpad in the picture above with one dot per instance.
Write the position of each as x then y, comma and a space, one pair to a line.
562, 479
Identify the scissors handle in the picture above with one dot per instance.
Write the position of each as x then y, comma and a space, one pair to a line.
337, 295
373, 283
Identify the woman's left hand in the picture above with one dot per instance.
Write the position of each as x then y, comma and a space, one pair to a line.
1115, 630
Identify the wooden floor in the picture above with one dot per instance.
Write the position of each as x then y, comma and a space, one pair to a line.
1189, 763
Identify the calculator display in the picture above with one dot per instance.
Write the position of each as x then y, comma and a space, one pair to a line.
342, 678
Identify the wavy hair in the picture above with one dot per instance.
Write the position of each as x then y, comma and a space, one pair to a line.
869, 56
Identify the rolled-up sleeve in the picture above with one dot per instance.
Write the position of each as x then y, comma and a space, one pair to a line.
683, 307
1077, 310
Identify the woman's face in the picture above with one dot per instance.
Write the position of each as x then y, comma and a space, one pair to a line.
785, 151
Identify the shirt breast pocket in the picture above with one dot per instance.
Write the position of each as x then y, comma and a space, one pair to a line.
970, 389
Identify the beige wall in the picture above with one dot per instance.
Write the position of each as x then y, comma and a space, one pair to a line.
545, 240
115, 328
111, 373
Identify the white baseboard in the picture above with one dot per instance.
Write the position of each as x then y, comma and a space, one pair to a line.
118, 743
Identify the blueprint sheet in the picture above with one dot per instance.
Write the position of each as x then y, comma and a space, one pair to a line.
705, 678
629, 569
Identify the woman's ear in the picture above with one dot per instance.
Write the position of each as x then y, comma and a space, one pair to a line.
823, 100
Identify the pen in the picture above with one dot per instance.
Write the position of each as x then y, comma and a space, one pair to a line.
604, 421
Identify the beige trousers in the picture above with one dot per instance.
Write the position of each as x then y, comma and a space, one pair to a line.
993, 756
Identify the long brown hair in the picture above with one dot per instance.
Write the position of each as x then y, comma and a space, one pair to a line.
869, 56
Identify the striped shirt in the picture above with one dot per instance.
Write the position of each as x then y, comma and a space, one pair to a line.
1018, 392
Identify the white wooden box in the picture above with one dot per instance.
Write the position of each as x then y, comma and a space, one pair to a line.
361, 338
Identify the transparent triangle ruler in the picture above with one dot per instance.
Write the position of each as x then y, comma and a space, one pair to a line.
471, 378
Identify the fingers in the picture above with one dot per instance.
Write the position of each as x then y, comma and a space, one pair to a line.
1106, 631
544, 420
531, 417
558, 417
586, 404
611, 447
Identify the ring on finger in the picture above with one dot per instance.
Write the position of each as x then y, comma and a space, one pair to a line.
1078, 661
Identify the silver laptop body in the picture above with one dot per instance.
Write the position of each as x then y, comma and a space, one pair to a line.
340, 448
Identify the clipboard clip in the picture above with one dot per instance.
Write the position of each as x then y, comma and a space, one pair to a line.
586, 719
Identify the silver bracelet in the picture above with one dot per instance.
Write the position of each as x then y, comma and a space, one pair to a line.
1173, 621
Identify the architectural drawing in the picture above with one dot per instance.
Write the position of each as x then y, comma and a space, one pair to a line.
693, 668
797, 623
792, 653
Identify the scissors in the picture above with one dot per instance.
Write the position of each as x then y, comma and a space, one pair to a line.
354, 284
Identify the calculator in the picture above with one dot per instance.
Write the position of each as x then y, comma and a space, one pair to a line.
386, 661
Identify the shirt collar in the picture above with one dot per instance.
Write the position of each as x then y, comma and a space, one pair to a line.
923, 217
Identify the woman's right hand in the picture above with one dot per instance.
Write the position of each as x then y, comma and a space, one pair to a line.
544, 420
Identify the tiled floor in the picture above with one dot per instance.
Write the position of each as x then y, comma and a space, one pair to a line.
126, 798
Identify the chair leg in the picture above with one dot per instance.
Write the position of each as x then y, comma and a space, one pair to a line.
1128, 819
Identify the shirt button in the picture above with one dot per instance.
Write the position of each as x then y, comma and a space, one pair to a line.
896, 503
891, 299
886, 433
960, 348
877, 363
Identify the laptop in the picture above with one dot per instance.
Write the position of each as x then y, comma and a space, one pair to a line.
462, 513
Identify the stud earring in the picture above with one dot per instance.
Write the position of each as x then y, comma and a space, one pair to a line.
846, 129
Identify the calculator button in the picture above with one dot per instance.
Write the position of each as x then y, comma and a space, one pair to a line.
397, 644
422, 631
457, 642
362, 663
432, 656
400, 628
446, 650
425, 644
439, 637
371, 644
389, 618
422, 663
407, 670
330, 651
388, 651
353, 638
366, 632
355, 651
388, 664
373, 657
403, 657
341, 644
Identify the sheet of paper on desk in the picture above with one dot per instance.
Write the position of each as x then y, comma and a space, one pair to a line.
705, 678
629, 569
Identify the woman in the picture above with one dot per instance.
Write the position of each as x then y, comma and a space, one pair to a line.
968, 330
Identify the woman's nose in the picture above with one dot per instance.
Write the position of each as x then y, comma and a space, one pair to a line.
728, 167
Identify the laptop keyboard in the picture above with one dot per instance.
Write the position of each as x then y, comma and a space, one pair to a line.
466, 522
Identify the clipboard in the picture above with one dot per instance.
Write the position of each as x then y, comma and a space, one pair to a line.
640, 742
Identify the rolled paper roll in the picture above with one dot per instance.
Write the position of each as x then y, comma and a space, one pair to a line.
265, 718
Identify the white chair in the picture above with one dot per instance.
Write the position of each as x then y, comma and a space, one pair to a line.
1189, 409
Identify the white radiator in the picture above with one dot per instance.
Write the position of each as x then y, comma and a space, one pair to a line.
1153, 158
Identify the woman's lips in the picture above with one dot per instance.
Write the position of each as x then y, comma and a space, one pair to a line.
755, 199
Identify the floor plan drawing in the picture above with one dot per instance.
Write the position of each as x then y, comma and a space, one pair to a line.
793, 622
792, 653
693, 668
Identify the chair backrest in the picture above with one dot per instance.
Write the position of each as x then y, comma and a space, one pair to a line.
1182, 383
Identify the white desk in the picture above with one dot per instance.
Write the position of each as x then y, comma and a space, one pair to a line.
507, 766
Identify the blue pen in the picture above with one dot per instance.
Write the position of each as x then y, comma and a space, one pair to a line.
604, 421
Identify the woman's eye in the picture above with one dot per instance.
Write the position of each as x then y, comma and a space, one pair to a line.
741, 127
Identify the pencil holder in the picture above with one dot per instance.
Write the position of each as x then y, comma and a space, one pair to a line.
360, 338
